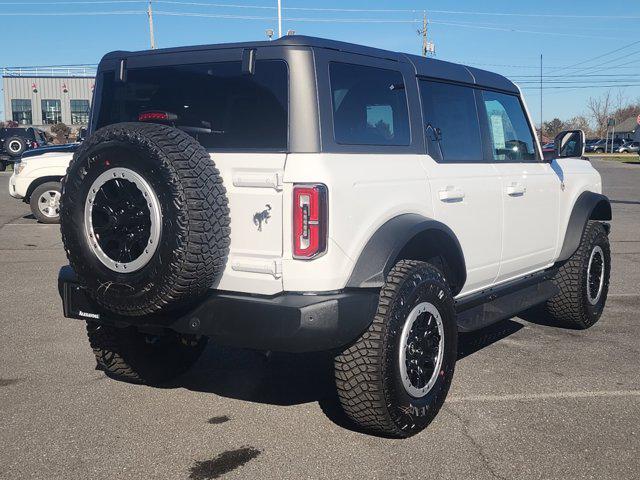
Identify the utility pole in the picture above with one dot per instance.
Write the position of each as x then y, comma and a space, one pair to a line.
428, 48
279, 18
151, 35
541, 99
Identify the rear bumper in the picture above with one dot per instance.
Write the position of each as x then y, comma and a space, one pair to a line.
288, 322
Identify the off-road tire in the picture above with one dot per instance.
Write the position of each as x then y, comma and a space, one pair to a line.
126, 354
367, 374
194, 223
35, 199
15, 153
571, 307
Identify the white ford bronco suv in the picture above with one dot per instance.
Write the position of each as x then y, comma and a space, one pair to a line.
310, 195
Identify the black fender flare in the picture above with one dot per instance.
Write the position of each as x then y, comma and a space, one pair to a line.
381, 251
588, 206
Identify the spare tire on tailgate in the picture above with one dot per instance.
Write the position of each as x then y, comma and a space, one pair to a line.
144, 218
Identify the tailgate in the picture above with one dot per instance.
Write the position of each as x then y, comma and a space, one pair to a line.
254, 189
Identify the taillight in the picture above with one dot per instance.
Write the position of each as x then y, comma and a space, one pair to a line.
34, 144
309, 220
156, 116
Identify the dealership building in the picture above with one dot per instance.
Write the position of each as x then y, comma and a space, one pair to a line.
42, 97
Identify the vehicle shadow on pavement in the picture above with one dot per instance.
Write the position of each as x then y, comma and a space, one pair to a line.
293, 379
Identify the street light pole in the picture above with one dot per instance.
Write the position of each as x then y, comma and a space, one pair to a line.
279, 18
541, 99
151, 34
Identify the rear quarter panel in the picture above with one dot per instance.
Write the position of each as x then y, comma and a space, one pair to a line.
364, 192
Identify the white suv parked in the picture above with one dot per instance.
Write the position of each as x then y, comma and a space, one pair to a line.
306, 194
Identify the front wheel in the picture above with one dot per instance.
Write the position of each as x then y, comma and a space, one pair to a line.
583, 281
394, 379
45, 202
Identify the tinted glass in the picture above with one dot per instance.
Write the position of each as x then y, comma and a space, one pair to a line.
21, 111
511, 137
79, 112
451, 122
369, 105
215, 103
51, 111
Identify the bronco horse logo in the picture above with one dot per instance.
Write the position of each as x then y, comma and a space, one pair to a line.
261, 217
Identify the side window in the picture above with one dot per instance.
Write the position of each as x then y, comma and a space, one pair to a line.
511, 137
451, 122
369, 105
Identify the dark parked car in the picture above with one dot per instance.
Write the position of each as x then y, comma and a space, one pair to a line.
15, 141
602, 146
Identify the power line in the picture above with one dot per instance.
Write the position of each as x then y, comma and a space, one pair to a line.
399, 10
71, 14
600, 56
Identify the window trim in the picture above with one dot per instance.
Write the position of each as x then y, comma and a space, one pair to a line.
332, 111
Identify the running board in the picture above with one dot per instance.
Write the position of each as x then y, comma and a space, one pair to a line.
505, 301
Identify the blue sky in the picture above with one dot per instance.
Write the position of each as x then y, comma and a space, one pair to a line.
506, 43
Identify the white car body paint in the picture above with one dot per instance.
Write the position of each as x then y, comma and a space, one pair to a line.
503, 237
51, 165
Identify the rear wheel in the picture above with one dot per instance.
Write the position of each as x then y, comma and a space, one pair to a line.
129, 355
583, 281
394, 379
45, 202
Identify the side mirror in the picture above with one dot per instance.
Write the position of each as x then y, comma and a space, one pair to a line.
570, 144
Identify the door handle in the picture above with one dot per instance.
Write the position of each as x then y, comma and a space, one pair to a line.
516, 189
451, 194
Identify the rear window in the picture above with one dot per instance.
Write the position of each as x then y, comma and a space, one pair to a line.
215, 103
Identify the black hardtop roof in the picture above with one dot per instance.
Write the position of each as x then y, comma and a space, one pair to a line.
428, 67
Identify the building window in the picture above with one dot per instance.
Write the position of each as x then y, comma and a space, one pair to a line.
79, 112
21, 111
51, 112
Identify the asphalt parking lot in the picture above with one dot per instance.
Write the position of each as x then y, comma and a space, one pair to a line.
529, 401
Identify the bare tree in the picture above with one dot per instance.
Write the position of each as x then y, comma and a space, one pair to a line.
601, 109
579, 122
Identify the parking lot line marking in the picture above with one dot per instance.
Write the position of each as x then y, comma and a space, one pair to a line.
527, 397
31, 225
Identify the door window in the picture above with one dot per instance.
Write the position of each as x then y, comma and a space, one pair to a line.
369, 105
451, 122
510, 133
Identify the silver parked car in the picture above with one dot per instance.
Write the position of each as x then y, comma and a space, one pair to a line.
629, 147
